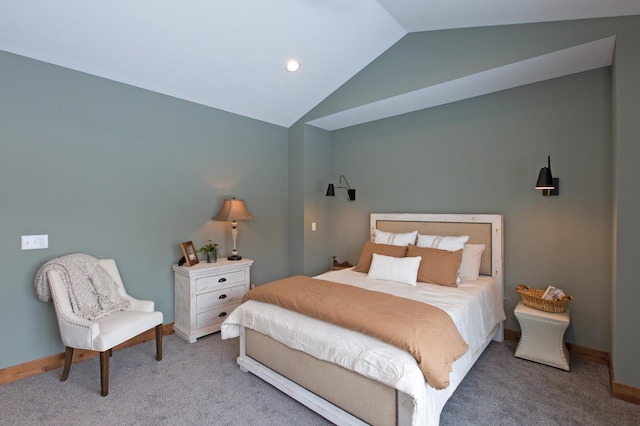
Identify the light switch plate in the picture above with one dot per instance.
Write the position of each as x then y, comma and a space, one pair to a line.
34, 242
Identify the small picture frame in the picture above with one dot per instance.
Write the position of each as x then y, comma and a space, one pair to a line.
189, 252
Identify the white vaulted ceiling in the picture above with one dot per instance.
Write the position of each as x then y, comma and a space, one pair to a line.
231, 55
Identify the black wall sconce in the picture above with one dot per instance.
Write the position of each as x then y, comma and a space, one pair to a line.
546, 182
350, 191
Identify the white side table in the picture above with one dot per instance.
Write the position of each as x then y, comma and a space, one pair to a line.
206, 293
542, 338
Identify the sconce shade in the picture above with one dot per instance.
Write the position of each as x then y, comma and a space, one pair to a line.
546, 182
232, 211
545, 179
352, 194
331, 192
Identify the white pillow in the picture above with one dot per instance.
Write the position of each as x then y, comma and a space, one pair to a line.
470, 265
382, 237
442, 243
402, 270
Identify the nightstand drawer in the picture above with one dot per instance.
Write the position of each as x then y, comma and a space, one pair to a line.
221, 280
214, 316
219, 297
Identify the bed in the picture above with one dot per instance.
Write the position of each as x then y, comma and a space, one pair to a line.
354, 379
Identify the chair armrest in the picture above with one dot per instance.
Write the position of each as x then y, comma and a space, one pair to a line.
140, 305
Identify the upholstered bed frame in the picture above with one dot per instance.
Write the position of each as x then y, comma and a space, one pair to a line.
338, 394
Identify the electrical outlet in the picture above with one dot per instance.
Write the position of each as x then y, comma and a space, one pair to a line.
34, 242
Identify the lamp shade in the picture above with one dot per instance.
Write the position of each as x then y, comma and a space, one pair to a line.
232, 211
331, 192
545, 179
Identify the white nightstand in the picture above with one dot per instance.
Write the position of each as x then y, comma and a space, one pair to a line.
542, 338
206, 293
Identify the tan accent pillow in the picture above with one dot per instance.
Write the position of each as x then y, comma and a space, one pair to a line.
366, 255
437, 266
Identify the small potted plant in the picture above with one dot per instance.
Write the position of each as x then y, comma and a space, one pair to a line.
211, 250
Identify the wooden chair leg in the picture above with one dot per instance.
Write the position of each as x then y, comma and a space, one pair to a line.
68, 356
159, 342
104, 372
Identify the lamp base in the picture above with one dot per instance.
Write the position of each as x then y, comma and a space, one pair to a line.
234, 257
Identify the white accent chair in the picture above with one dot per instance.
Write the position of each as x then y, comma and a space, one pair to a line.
103, 334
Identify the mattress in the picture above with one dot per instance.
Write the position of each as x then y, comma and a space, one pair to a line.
474, 306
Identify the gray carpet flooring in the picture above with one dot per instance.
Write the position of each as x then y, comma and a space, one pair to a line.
200, 384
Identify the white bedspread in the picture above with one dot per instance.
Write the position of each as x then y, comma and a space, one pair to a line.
475, 307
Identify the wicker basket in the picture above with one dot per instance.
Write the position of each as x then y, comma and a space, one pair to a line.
533, 298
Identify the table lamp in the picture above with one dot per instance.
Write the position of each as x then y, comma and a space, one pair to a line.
232, 211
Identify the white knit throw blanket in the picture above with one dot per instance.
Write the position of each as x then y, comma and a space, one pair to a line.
91, 289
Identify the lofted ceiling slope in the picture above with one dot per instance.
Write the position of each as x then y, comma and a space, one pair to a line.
231, 55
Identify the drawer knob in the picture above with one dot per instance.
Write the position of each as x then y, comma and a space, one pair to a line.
221, 280
222, 314
222, 296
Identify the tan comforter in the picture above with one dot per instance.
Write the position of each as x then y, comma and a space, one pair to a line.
426, 332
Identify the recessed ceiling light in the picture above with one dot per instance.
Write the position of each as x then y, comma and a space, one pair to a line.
292, 65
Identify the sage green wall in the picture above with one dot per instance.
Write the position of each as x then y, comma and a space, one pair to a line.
317, 160
296, 199
626, 104
483, 155
115, 171
309, 161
